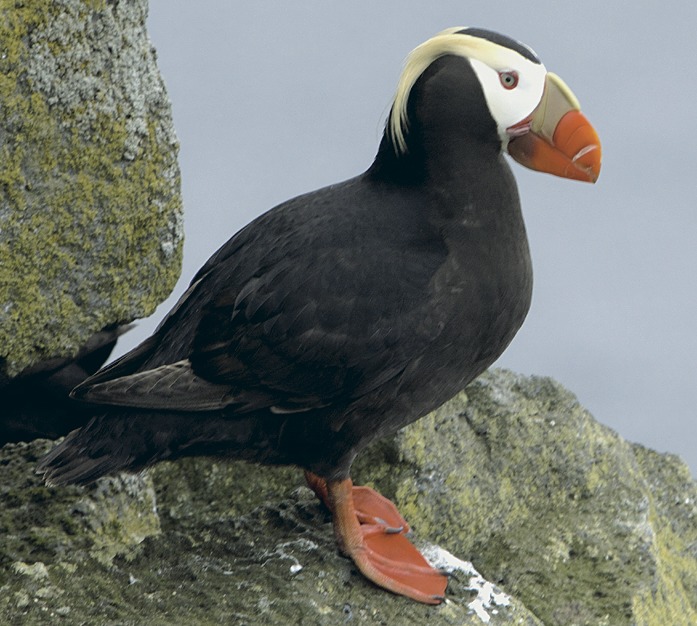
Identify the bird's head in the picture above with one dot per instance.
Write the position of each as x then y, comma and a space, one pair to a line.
536, 116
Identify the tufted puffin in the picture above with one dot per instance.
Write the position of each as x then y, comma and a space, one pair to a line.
346, 313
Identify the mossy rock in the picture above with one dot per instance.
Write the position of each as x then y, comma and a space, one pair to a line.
90, 205
198, 542
568, 524
560, 511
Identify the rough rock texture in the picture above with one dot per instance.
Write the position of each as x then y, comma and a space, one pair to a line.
573, 524
228, 543
582, 526
90, 211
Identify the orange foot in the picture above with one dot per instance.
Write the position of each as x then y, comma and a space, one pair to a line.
370, 531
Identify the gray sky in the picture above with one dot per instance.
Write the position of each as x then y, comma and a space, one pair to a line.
272, 99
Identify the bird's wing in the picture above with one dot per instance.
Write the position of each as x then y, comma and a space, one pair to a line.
287, 321
320, 331
173, 386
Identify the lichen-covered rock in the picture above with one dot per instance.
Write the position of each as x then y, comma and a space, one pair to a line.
231, 543
567, 523
90, 209
557, 509
37, 522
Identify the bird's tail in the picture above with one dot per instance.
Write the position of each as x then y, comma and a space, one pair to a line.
80, 459
130, 441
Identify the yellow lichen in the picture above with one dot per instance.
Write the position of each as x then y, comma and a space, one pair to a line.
86, 234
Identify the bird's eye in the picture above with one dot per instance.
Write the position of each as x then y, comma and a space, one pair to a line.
509, 79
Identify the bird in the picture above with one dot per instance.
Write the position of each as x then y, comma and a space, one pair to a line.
344, 314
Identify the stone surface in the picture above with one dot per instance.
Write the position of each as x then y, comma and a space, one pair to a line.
567, 523
90, 209
213, 543
582, 526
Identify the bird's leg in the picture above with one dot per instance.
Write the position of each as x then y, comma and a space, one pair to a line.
377, 545
318, 485
371, 507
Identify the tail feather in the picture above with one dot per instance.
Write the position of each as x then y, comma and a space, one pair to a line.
117, 441
80, 459
77, 471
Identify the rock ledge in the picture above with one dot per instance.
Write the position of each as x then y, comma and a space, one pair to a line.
567, 523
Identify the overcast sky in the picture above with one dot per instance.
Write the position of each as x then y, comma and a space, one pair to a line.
272, 99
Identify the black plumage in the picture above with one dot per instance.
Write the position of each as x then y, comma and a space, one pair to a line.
336, 317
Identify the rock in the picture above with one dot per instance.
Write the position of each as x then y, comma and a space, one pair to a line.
567, 523
555, 508
90, 208
230, 543
72, 526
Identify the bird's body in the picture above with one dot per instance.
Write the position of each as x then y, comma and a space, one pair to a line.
338, 316
335, 318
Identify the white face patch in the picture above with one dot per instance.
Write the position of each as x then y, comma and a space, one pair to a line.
510, 106
489, 60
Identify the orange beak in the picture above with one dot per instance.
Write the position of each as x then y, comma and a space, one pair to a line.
556, 137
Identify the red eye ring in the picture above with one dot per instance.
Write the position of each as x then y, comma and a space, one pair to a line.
509, 79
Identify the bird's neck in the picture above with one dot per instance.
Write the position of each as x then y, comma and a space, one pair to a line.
440, 158
458, 174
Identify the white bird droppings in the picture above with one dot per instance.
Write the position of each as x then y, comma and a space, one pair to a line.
488, 597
